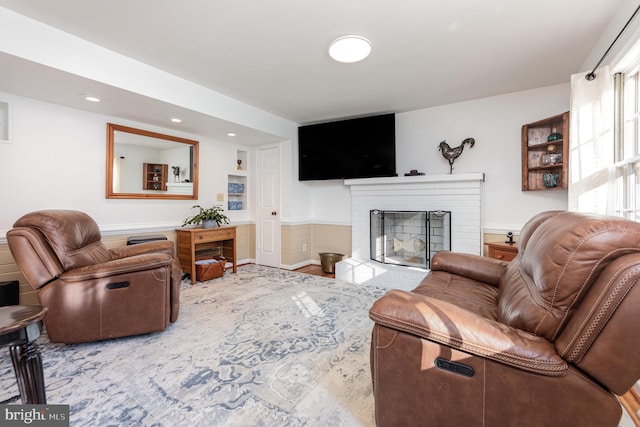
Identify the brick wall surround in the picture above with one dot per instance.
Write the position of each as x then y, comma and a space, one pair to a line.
462, 194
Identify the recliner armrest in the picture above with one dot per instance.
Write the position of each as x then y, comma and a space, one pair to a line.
158, 246
447, 324
476, 267
130, 264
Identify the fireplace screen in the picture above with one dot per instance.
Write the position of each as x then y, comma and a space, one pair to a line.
409, 238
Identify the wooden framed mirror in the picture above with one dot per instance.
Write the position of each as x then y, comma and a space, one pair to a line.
150, 165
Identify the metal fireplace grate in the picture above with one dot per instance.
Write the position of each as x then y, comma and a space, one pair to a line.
409, 238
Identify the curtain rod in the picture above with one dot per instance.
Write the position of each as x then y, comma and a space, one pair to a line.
592, 75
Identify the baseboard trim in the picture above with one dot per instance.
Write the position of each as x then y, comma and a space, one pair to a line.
299, 264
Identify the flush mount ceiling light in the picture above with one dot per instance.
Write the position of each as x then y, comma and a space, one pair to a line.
176, 119
350, 48
91, 98
231, 134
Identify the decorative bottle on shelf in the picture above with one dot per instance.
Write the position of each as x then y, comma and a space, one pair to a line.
555, 136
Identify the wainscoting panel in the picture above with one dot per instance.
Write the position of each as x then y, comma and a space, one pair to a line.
294, 237
10, 271
331, 238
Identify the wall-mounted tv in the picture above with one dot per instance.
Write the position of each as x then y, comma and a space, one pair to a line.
354, 148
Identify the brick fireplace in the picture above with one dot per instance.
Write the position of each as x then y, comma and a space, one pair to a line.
461, 194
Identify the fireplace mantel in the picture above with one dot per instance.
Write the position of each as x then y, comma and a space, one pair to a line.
419, 179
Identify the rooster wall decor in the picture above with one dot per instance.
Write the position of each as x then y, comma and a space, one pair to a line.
451, 154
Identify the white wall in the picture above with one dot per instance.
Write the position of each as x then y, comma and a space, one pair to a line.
33, 41
295, 197
57, 160
495, 123
330, 202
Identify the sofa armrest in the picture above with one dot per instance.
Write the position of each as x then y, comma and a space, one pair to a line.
447, 324
126, 265
476, 267
158, 246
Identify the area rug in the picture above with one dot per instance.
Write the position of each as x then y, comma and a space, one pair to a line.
263, 347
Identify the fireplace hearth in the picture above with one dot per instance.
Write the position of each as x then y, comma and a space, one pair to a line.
409, 238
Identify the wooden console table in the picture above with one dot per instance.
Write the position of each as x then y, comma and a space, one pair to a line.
204, 243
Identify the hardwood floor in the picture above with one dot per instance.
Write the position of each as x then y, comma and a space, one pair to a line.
316, 270
631, 402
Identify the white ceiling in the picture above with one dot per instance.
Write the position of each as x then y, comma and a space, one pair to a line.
272, 54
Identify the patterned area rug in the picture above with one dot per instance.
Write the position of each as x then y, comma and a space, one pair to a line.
263, 347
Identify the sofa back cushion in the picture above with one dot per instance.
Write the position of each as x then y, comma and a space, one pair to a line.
74, 237
560, 256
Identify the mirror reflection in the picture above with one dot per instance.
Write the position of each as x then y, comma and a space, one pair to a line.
144, 164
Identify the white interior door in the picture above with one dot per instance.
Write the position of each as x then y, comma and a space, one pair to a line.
268, 221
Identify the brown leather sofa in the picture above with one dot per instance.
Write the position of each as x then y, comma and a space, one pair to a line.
94, 293
549, 339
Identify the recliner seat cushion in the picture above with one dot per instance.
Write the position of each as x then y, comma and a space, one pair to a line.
474, 296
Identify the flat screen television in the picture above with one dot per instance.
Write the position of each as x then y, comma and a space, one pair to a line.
354, 148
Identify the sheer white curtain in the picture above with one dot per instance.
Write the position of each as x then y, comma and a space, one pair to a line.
591, 180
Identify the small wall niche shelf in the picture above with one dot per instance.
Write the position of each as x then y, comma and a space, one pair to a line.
241, 162
545, 153
237, 193
155, 176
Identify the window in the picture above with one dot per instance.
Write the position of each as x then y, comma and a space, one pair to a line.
626, 169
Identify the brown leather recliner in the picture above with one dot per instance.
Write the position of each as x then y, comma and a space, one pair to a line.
549, 339
94, 293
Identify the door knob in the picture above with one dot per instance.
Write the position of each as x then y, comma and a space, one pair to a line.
274, 213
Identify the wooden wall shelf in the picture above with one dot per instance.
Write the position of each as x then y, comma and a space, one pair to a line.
545, 159
155, 176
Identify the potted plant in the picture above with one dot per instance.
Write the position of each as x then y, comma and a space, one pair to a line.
209, 217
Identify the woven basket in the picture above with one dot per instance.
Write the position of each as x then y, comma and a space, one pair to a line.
209, 269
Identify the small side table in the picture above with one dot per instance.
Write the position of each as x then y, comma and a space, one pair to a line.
203, 243
503, 251
20, 326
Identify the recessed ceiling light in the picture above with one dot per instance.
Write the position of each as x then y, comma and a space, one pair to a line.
92, 98
231, 134
176, 119
350, 48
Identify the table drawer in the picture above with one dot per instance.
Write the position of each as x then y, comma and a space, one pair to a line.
502, 254
214, 235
